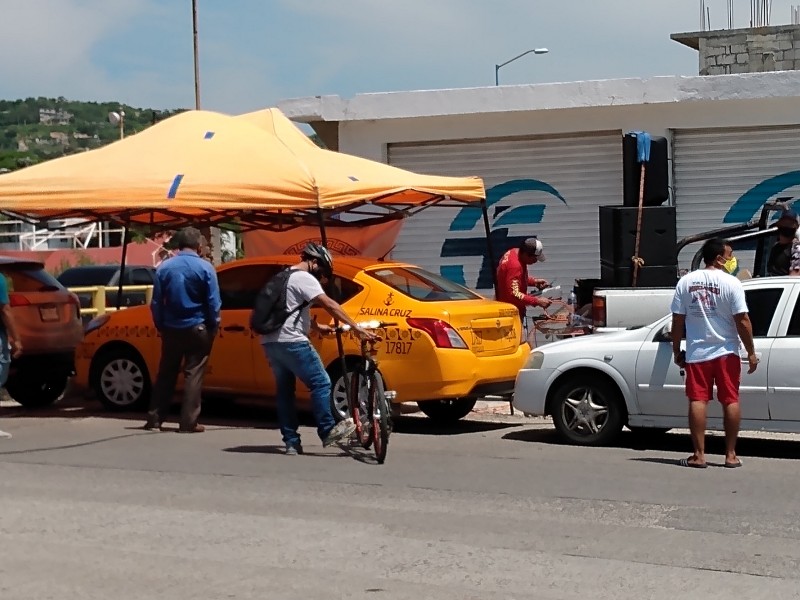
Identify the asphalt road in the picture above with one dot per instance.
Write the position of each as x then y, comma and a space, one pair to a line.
494, 507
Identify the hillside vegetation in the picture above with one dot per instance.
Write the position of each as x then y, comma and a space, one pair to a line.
37, 129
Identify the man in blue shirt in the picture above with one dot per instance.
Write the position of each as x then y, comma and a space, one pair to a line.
7, 328
185, 307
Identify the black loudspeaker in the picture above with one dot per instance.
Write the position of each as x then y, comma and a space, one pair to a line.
584, 290
648, 276
657, 240
656, 172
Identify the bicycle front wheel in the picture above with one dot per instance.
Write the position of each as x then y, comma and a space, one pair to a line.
379, 417
358, 400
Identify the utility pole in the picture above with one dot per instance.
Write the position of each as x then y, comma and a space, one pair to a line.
196, 60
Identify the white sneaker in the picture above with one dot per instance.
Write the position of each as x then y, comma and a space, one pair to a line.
341, 431
5, 434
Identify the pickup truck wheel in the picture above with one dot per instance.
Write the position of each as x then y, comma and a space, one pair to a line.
447, 411
588, 412
121, 380
33, 391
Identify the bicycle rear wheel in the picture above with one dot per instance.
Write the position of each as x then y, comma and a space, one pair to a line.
379, 417
359, 410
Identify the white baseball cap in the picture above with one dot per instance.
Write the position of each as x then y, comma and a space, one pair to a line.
534, 247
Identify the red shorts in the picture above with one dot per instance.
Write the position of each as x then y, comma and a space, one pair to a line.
725, 372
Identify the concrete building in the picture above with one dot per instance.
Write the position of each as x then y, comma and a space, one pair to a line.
754, 50
551, 154
51, 116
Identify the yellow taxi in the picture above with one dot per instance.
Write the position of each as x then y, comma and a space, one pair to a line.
447, 346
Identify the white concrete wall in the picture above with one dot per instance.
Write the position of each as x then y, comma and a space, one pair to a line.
367, 123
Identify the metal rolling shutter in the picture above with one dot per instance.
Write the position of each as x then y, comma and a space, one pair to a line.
585, 170
716, 170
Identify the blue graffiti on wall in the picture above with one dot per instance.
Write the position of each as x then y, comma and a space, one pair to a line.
501, 217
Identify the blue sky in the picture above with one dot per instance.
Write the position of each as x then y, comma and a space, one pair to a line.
255, 53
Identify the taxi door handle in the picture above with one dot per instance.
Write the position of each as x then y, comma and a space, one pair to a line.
234, 328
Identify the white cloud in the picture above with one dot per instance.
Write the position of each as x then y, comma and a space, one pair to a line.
47, 45
254, 53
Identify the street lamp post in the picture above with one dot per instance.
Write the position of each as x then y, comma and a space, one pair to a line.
532, 51
118, 118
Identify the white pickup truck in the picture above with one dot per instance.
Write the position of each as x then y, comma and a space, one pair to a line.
618, 308
622, 308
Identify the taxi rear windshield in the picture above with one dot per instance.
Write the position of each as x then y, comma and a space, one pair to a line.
422, 285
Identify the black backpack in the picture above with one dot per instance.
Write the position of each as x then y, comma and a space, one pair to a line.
270, 312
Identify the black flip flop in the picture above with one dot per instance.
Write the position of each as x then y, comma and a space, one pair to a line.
684, 462
735, 465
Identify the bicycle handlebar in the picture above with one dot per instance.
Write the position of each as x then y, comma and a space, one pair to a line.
366, 325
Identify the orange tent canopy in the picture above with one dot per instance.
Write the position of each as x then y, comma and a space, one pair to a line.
203, 167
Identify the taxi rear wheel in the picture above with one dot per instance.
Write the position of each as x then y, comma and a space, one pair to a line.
447, 411
121, 380
339, 406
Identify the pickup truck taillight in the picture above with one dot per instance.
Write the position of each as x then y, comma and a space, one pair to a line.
442, 334
599, 311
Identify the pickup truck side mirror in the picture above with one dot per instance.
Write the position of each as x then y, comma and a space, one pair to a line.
665, 334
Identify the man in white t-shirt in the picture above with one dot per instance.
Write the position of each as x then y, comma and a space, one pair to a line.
709, 306
291, 355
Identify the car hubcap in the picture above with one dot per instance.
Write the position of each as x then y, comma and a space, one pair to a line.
340, 398
585, 412
122, 382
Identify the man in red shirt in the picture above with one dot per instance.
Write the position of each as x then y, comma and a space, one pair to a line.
513, 279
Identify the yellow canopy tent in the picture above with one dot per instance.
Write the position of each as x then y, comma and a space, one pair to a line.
203, 167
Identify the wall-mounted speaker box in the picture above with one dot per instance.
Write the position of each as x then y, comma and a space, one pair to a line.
656, 172
657, 241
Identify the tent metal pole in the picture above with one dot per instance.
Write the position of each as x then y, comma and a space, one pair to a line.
123, 262
339, 341
323, 235
489, 249
490, 254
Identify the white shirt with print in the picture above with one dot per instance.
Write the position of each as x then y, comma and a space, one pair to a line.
301, 287
709, 298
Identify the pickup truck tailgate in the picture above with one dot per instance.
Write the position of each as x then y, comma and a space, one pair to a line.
630, 307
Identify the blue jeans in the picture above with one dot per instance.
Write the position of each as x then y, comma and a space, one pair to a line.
299, 360
5, 357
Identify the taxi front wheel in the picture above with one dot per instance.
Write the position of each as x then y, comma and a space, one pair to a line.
121, 380
447, 411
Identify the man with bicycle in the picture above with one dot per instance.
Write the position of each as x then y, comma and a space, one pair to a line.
291, 355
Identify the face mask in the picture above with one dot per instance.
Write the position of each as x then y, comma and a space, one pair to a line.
317, 272
729, 266
786, 231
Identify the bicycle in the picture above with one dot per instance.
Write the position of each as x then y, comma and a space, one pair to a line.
559, 324
368, 401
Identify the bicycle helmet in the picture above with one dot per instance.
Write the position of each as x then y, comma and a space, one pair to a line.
321, 255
